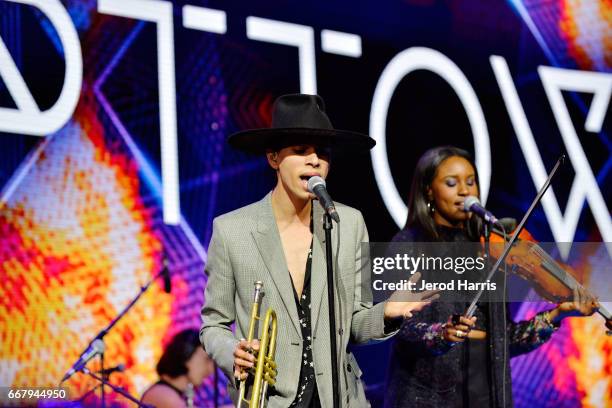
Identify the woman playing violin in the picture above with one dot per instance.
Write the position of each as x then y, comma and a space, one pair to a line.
438, 361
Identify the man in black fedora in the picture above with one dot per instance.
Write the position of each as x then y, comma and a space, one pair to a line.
280, 241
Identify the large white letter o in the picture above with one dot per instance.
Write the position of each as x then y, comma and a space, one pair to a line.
401, 65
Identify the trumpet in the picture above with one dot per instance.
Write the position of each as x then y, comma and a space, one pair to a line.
265, 367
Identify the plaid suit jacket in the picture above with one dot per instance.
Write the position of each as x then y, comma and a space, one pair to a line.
246, 247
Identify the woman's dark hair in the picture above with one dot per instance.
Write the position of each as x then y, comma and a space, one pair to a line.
173, 361
419, 214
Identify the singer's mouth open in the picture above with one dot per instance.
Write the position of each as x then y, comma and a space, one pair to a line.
305, 177
304, 181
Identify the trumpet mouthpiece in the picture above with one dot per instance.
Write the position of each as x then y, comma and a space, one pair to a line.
258, 291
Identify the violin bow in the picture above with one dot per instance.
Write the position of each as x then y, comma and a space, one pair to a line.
472, 308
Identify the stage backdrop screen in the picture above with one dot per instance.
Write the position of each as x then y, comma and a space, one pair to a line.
114, 116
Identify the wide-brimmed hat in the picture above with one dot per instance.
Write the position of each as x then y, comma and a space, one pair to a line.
300, 119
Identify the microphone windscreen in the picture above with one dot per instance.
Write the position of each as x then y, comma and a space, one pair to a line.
315, 181
469, 202
98, 346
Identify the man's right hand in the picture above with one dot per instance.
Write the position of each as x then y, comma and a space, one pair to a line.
244, 358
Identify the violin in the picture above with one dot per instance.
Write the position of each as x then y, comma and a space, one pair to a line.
550, 279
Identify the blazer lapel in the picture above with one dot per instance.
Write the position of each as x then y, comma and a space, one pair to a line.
267, 239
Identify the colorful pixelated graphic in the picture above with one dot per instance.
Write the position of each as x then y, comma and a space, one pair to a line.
65, 267
574, 33
587, 26
78, 241
574, 367
81, 232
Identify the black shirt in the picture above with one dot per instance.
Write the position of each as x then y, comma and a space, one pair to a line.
476, 376
307, 395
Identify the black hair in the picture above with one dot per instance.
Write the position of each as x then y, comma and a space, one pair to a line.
419, 213
173, 361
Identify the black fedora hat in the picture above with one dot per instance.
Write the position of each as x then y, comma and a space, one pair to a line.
300, 119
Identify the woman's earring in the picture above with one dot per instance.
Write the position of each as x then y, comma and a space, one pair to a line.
189, 394
430, 207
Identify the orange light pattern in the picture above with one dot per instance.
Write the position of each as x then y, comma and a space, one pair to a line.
76, 244
592, 364
586, 26
574, 368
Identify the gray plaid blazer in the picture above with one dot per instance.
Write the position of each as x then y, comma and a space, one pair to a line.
246, 247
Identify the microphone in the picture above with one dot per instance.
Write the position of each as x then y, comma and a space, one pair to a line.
472, 204
166, 276
97, 347
108, 371
316, 185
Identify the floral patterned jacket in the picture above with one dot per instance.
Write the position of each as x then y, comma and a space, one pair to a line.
425, 370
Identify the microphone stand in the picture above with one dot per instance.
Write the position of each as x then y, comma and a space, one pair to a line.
118, 390
106, 330
327, 226
102, 396
216, 385
105, 375
486, 232
472, 308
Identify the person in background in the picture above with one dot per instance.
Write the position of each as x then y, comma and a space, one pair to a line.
183, 366
436, 362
